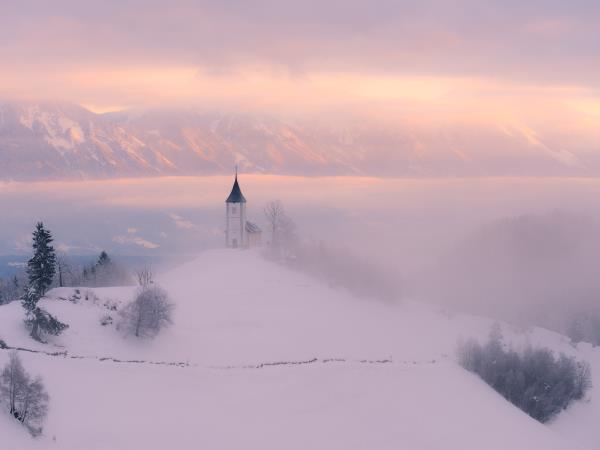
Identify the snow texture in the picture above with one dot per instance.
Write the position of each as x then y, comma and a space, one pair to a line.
264, 357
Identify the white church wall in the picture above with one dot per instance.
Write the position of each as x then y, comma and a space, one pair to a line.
235, 235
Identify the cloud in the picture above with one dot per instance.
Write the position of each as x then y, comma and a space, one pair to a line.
132, 238
136, 240
181, 222
23, 243
63, 248
17, 264
77, 44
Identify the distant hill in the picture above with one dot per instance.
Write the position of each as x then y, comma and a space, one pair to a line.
66, 141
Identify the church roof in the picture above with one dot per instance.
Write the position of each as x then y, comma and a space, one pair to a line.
236, 195
252, 227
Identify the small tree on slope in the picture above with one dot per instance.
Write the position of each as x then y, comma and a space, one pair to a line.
283, 230
147, 314
40, 270
26, 400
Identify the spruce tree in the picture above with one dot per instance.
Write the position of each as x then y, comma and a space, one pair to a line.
103, 259
41, 268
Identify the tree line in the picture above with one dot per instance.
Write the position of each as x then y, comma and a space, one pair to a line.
104, 271
535, 380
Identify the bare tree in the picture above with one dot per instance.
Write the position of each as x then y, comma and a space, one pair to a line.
145, 277
282, 227
12, 382
274, 213
27, 400
34, 406
64, 269
147, 314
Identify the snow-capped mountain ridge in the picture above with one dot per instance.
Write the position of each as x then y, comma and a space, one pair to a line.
57, 141
65, 141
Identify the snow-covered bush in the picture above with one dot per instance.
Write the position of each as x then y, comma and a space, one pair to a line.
106, 320
536, 381
23, 398
147, 314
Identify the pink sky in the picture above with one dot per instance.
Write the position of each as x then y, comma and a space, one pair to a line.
471, 59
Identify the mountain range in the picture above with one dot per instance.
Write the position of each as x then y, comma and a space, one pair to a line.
41, 141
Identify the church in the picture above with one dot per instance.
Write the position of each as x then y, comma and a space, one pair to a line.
239, 232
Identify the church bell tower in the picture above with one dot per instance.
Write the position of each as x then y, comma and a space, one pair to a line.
235, 218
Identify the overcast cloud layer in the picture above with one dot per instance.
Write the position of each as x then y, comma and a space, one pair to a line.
539, 41
157, 43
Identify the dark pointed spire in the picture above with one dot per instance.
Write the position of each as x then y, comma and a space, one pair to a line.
236, 195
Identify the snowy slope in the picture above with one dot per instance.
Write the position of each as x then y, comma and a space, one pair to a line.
366, 375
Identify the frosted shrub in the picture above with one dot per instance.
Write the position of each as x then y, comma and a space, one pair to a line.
147, 314
536, 381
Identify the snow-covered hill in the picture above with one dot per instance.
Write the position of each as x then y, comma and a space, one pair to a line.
65, 141
264, 357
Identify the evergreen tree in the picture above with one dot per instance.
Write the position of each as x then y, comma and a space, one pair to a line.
42, 321
103, 259
30, 299
41, 268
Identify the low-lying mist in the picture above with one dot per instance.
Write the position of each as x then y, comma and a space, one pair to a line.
529, 270
519, 249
